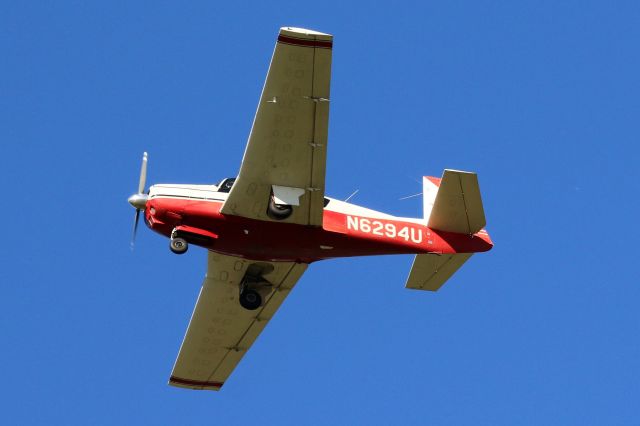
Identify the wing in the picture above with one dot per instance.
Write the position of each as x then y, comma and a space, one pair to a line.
287, 146
221, 331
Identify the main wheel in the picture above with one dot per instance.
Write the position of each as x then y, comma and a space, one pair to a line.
278, 211
178, 245
250, 299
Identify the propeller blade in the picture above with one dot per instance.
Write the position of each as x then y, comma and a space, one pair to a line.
135, 228
143, 174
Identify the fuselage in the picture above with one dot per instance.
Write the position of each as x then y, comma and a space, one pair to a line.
348, 229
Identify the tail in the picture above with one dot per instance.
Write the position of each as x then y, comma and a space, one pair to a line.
431, 271
452, 204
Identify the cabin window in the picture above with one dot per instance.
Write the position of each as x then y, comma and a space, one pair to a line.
225, 185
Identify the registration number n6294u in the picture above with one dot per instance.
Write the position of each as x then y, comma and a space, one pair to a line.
385, 229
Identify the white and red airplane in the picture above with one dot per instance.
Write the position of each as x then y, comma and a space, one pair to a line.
263, 228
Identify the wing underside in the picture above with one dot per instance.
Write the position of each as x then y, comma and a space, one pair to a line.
287, 146
431, 271
221, 331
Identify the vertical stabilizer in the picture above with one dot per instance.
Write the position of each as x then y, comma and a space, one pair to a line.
430, 187
457, 206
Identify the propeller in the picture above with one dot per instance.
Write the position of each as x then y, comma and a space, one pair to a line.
139, 200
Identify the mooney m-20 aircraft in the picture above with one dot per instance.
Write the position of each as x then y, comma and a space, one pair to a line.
264, 227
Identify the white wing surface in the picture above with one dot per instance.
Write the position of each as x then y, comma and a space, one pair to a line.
221, 331
287, 147
431, 271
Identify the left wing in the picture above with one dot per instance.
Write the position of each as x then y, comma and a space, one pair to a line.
287, 148
221, 331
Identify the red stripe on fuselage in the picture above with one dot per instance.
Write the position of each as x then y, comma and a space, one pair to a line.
277, 241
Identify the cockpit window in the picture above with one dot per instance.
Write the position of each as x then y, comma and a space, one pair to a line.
225, 185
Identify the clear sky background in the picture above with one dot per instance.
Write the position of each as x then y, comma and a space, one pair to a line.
541, 98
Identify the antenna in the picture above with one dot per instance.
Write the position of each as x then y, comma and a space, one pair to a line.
349, 197
410, 196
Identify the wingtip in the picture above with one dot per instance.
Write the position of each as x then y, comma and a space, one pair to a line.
194, 384
302, 37
305, 33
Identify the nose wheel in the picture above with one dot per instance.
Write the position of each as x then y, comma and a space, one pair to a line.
178, 245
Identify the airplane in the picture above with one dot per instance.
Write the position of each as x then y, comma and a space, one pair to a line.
263, 228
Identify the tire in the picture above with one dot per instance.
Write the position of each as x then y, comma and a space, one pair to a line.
278, 211
250, 299
178, 245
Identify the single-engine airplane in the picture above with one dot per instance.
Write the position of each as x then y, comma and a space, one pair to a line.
264, 227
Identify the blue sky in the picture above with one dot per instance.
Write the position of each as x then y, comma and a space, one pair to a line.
541, 98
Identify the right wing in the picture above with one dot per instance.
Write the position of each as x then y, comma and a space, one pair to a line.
221, 331
287, 147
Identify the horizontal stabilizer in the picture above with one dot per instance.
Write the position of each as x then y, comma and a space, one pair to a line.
458, 205
431, 271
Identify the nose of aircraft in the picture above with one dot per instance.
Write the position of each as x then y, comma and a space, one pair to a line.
139, 201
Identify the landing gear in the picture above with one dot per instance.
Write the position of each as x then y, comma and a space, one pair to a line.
250, 299
254, 289
178, 245
278, 211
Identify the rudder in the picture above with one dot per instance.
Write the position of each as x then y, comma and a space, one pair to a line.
457, 206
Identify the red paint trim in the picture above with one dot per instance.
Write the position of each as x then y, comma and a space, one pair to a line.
190, 382
323, 44
273, 241
436, 181
197, 231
